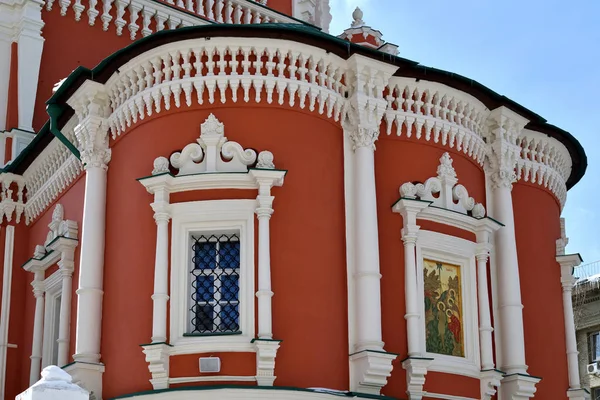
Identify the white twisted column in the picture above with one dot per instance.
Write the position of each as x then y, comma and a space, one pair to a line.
160, 297
264, 294
38, 327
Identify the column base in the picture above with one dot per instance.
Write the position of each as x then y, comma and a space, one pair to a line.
369, 371
489, 383
518, 387
157, 357
416, 369
88, 376
266, 351
578, 394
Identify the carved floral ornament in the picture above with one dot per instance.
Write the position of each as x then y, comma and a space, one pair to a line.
213, 153
443, 192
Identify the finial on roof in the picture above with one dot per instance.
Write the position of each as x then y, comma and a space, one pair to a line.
358, 18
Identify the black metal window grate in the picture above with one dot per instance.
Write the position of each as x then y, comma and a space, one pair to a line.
215, 278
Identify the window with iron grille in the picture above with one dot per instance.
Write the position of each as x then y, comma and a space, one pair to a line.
215, 284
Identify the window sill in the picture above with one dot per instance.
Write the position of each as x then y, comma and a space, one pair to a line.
212, 334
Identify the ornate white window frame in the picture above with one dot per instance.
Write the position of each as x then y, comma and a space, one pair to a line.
210, 216
212, 163
461, 252
440, 199
59, 248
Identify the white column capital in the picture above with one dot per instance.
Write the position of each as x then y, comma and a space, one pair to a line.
363, 137
504, 128
92, 108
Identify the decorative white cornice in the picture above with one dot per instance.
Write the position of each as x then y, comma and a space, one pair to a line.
140, 18
59, 245
53, 170
205, 165
12, 202
436, 113
450, 196
213, 153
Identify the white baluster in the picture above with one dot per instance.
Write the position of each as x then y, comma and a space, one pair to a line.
237, 15
92, 12
120, 22
189, 5
161, 19
147, 14
219, 11
134, 10
200, 8
209, 9
106, 17
78, 8
64, 5
228, 12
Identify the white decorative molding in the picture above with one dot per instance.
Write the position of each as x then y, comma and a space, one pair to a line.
489, 383
544, 161
166, 77
520, 387
213, 153
12, 202
370, 370
450, 196
157, 357
140, 18
416, 369
266, 352
358, 27
437, 113
315, 12
58, 248
52, 171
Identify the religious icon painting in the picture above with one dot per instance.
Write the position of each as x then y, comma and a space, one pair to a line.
443, 309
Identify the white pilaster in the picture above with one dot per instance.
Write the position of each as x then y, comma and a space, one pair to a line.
30, 46
5, 60
505, 128
38, 327
91, 106
160, 297
5, 306
370, 365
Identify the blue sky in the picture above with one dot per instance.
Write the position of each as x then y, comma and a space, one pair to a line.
544, 54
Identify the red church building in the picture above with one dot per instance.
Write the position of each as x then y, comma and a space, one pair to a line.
218, 199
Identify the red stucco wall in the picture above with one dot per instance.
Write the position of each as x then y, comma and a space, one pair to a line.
537, 227
307, 243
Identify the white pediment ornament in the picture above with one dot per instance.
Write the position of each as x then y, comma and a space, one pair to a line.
443, 192
59, 227
213, 153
